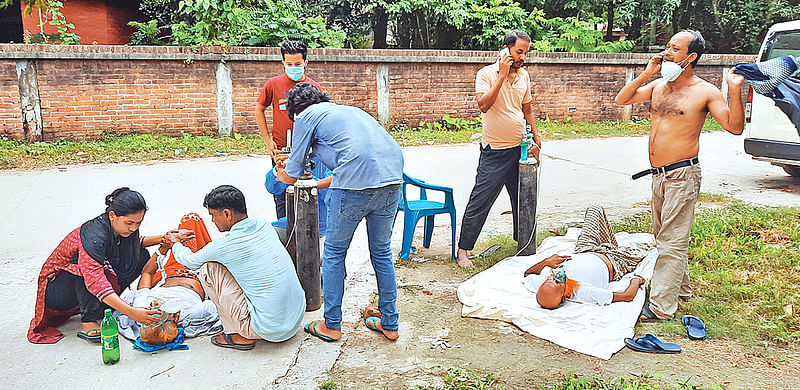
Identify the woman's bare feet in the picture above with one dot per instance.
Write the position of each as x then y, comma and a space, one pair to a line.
90, 328
463, 258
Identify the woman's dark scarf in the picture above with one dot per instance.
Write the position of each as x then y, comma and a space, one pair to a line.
125, 255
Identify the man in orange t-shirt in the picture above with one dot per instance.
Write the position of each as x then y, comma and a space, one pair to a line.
294, 54
503, 93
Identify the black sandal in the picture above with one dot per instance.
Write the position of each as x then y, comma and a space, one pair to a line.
648, 316
90, 338
230, 344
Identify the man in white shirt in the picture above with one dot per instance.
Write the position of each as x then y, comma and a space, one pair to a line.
584, 276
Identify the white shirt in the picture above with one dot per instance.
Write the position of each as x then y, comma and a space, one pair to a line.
588, 269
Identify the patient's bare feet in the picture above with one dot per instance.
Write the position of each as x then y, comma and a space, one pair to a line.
463, 258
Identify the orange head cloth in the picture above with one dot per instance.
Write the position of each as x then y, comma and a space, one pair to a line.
172, 267
571, 285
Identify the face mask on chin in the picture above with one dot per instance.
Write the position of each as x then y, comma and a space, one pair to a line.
295, 72
671, 70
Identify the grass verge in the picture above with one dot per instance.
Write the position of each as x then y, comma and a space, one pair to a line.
121, 148
111, 148
745, 266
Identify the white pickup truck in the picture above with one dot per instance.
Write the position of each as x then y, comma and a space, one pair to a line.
769, 134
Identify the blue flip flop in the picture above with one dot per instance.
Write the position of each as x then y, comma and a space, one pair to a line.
695, 327
650, 344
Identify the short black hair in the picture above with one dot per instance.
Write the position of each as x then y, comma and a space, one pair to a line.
226, 197
513, 35
124, 201
293, 47
301, 97
696, 45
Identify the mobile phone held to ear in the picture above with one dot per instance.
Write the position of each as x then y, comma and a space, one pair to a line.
504, 52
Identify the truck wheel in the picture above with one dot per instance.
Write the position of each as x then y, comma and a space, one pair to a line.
792, 170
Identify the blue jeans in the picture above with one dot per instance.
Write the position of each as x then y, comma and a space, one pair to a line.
346, 208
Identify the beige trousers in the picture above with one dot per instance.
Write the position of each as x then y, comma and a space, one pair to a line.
229, 299
674, 196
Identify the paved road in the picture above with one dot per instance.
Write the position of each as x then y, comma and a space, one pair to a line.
41, 206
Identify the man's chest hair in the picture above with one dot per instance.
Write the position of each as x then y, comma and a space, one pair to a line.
668, 101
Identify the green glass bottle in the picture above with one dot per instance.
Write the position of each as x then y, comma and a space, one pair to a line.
109, 335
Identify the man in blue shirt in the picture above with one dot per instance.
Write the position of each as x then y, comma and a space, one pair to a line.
367, 168
247, 274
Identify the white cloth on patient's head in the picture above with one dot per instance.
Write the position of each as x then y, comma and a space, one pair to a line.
588, 269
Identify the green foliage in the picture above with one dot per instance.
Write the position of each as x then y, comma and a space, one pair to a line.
235, 22
146, 33
449, 123
645, 381
328, 385
574, 35
52, 15
464, 379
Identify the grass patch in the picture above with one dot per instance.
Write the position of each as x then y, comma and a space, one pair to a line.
644, 382
120, 148
745, 267
508, 248
465, 379
456, 130
114, 147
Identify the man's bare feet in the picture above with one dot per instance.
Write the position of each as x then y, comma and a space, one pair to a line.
235, 337
463, 258
374, 323
233, 341
318, 328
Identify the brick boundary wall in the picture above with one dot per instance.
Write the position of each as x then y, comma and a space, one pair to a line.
48, 91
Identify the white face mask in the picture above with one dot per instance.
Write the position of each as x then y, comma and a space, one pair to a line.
671, 70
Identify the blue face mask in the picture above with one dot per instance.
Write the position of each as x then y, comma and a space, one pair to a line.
295, 72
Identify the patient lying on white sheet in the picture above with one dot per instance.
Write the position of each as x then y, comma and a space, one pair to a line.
581, 277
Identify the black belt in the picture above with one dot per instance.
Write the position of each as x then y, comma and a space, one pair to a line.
666, 168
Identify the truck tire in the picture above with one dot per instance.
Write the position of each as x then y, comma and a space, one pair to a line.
792, 170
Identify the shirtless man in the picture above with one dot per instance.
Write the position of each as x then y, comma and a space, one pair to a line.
680, 102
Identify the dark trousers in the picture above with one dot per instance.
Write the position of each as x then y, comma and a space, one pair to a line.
280, 202
496, 168
67, 291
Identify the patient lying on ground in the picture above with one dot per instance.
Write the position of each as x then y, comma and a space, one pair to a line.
584, 276
175, 291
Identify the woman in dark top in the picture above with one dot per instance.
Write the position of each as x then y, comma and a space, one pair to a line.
89, 269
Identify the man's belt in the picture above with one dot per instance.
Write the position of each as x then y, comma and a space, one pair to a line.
666, 168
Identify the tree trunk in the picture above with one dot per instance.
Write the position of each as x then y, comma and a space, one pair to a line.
610, 21
380, 25
680, 16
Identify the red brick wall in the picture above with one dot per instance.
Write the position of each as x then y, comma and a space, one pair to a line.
102, 21
88, 90
427, 91
87, 98
10, 110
